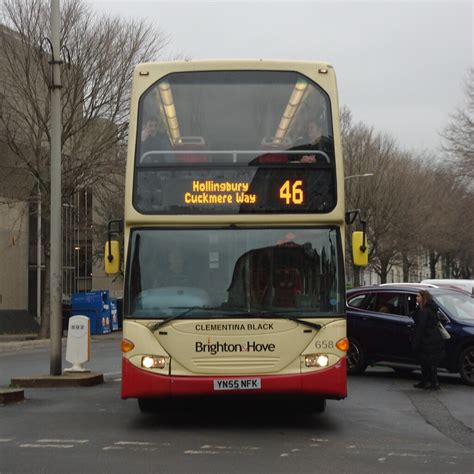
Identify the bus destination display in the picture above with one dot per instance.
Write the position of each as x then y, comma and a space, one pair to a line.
234, 191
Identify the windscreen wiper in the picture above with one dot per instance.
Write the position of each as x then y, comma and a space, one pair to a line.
288, 315
190, 309
253, 313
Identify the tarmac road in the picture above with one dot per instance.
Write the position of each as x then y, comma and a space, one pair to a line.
385, 425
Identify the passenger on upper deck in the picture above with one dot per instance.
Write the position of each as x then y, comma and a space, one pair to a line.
313, 140
152, 140
317, 142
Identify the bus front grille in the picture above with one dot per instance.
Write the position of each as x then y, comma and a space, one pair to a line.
263, 363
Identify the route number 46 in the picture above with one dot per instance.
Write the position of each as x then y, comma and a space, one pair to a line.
292, 193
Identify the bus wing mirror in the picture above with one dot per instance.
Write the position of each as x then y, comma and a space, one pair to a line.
112, 257
360, 249
112, 248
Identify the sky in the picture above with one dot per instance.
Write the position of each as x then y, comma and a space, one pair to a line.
401, 65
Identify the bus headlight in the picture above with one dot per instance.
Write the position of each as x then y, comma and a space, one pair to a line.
316, 360
153, 362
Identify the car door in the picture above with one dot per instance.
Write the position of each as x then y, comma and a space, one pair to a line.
359, 320
391, 327
401, 328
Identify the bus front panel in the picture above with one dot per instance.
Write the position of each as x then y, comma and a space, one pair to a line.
258, 304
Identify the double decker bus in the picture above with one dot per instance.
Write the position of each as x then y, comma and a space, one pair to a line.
234, 233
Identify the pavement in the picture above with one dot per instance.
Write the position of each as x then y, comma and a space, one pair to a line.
19, 342
15, 342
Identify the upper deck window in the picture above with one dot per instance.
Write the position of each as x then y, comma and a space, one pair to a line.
246, 120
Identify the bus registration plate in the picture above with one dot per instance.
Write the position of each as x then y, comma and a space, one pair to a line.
238, 384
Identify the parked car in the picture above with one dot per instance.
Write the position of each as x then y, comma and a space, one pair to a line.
466, 285
380, 329
426, 285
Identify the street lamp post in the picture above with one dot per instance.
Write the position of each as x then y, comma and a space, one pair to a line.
56, 242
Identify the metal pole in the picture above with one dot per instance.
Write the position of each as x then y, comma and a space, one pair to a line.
86, 223
38, 256
56, 198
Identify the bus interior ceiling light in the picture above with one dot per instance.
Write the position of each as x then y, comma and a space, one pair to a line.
170, 110
153, 362
290, 110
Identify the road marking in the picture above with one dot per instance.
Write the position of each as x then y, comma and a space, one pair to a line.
230, 448
190, 451
407, 455
78, 441
6, 440
60, 446
134, 443
208, 446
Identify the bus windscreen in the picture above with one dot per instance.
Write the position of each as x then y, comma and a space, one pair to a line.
206, 272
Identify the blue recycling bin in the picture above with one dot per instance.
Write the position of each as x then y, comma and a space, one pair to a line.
96, 306
120, 312
114, 322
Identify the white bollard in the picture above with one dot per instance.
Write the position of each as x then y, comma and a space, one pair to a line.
78, 343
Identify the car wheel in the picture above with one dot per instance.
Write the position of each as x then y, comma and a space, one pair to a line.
355, 358
466, 365
146, 405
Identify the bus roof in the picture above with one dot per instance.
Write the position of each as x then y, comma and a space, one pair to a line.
239, 62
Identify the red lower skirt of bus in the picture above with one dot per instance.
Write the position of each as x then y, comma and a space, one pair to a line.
327, 383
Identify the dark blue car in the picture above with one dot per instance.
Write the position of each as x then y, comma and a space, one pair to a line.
380, 329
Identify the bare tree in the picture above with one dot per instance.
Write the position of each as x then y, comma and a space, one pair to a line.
457, 178
382, 197
459, 134
413, 204
95, 95
448, 222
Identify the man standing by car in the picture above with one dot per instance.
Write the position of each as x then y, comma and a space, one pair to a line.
428, 343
